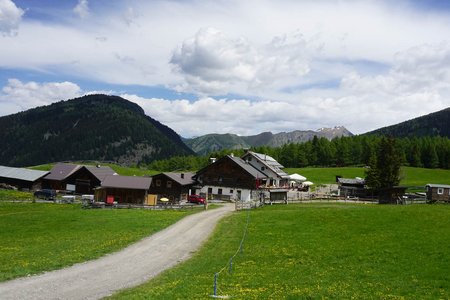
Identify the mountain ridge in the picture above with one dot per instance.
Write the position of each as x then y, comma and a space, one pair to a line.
92, 127
216, 142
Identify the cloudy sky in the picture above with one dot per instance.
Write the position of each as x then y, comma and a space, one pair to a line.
230, 65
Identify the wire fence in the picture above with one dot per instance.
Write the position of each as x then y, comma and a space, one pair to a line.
229, 266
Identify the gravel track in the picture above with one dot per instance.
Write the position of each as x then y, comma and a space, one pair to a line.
127, 268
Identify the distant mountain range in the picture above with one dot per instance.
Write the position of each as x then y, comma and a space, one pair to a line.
94, 127
109, 128
215, 142
434, 124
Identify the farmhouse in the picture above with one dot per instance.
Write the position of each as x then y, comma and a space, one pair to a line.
230, 178
76, 178
24, 179
174, 186
438, 192
123, 189
271, 169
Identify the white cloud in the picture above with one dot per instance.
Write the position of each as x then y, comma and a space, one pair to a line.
18, 96
10, 18
82, 9
214, 64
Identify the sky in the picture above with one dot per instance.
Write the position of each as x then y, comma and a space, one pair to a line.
232, 66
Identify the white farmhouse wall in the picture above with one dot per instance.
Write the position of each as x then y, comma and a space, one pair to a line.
245, 194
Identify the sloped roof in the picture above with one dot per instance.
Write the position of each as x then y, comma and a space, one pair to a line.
248, 167
127, 182
61, 171
21, 173
351, 180
187, 180
101, 172
435, 185
269, 162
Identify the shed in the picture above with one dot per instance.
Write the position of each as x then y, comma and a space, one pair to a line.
438, 192
351, 187
278, 195
22, 178
124, 189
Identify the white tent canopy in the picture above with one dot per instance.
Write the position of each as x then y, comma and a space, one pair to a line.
308, 183
297, 177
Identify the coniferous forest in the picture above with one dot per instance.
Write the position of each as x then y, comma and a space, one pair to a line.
427, 152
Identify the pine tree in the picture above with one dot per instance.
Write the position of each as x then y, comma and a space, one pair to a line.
384, 170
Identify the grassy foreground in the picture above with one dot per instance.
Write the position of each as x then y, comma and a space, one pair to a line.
38, 237
317, 251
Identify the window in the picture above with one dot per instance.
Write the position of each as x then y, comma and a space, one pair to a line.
158, 182
209, 190
231, 191
219, 191
262, 168
220, 179
440, 191
169, 183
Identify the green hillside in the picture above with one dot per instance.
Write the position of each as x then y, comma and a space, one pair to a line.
94, 127
434, 124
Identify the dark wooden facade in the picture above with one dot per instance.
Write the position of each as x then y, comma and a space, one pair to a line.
121, 195
174, 186
438, 192
84, 181
227, 173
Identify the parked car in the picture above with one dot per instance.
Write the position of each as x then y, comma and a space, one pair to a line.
196, 199
45, 194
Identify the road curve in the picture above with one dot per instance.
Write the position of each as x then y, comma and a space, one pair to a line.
129, 267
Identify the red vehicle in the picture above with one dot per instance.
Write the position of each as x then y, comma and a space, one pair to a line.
196, 199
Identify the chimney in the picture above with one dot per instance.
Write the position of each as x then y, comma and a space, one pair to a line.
212, 160
232, 154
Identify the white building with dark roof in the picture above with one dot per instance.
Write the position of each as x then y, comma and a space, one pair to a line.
271, 168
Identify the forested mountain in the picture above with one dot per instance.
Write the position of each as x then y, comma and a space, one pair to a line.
93, 127
216, 142
434, 124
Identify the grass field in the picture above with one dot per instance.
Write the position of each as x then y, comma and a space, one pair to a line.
37, 237
339, 251
409, 176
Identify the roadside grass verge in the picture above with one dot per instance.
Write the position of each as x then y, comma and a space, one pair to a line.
37, 237
314, 251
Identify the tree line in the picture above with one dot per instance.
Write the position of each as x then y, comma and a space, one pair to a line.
427, 152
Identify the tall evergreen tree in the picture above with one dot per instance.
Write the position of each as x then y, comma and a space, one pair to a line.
384, 171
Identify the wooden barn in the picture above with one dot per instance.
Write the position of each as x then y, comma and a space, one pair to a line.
438, 192
230, 178
351, 187
76, 178
123, 189
22, 179
174, 186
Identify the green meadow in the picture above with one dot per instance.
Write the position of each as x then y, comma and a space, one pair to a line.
413, 177
36, 237
318, 251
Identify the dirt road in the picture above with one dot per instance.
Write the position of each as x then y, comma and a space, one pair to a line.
126, 268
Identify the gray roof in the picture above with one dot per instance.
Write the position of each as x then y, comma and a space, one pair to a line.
187, 180
351, 180
247, 167
269, 162
446, 186
21, 173
127, 182
61, 171
101, 172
